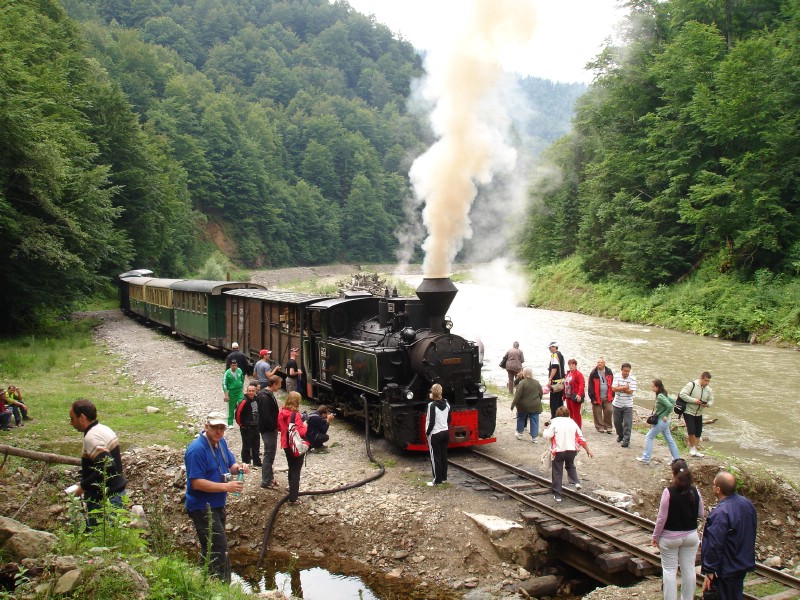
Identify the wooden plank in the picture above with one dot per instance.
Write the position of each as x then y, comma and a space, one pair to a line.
625, 529
580, 540
641, 568
613, 562
574, 510
531, 516
605, 520
756, 581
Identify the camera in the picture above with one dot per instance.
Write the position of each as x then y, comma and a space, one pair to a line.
227, 477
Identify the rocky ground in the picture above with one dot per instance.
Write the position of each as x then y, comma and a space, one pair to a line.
395, 527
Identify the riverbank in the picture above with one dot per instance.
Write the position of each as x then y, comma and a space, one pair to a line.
709, 303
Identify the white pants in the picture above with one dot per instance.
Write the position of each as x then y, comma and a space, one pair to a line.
679, 552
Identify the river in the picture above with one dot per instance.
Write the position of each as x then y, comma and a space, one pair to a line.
757, 411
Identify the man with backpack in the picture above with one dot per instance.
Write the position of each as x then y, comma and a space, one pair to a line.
696, 395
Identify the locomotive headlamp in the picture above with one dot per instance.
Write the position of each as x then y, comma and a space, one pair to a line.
447, 324
409, 394
482, 388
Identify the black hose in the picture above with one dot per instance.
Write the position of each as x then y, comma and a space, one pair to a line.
274, 514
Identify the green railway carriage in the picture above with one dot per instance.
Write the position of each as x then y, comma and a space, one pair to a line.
200, 309
124, 288
158, 298
135, 294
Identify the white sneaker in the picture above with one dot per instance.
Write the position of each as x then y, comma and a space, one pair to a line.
578, 486
643, 460
698, 454
534, 441
430, 484
692, 451
519, 436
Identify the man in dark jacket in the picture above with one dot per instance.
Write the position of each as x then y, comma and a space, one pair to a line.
318, 423
601, 395
268, 428
728, 550
240, 358
101, 460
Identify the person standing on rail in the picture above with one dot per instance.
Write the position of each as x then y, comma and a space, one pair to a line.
512, 363
675, 532
566, 439
232, 387
437, 430
293, 372
728, 551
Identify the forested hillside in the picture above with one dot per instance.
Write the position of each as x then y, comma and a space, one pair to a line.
685, 151
149, 133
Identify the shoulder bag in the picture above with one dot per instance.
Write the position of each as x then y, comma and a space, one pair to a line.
503, 362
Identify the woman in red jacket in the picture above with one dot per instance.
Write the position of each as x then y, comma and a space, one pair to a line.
574, 391
289, 410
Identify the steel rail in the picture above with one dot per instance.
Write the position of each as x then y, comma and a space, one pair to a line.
560, 516
767, 572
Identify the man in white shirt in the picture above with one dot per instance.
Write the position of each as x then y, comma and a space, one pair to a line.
623, 386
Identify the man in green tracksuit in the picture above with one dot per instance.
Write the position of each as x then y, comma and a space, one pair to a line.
232, 385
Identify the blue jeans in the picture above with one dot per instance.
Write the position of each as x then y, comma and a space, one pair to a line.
522, 420
661, 427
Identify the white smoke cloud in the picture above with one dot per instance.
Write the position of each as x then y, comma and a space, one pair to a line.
469, 120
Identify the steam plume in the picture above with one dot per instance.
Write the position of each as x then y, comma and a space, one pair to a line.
469, 123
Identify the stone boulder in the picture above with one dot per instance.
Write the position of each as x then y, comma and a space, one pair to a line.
18, 541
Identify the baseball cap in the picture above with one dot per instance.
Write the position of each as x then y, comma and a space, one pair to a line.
553, 344
294, 350
216, 418
264, 352
235, 345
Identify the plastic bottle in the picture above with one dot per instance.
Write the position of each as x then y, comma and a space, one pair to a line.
239, 477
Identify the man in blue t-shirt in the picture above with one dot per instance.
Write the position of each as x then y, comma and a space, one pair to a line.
210, 474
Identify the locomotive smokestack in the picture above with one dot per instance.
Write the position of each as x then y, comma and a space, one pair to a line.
437, 295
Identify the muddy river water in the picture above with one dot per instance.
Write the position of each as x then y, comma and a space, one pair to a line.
755, 387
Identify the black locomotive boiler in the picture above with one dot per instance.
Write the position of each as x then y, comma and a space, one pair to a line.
392, 350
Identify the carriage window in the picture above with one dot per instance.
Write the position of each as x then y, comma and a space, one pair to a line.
316, 325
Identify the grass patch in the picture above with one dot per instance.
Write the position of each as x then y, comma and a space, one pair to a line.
709, 303
62, 364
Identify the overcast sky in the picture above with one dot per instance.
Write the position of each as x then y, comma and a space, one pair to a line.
569, 32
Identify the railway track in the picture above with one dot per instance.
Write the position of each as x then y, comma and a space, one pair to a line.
607, 543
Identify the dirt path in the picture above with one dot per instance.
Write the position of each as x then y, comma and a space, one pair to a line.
397, 525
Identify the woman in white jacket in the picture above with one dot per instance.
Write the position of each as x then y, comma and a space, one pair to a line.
566, 439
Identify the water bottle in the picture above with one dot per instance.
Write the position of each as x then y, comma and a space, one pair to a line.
239, 477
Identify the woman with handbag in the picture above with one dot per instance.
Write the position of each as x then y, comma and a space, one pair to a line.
660, 417
675, 533
574, 390
289, 414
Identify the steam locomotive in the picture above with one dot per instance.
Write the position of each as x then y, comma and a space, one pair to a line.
389, 349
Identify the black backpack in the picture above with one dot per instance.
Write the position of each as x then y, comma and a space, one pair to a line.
680, 403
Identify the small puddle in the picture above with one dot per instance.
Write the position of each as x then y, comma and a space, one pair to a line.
327, 579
